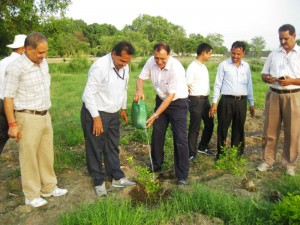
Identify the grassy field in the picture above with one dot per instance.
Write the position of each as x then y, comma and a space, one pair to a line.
67, 88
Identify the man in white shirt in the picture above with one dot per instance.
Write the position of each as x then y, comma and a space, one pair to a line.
168, 78
234, 83
197, 78
105, 94
17, 49
282, 72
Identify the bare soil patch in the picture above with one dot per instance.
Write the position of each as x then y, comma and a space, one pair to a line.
79, 184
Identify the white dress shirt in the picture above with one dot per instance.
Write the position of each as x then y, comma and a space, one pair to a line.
170, 80
197, 78
3, 65
105, 90
279, 63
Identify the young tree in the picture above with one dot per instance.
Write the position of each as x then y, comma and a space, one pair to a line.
257, 45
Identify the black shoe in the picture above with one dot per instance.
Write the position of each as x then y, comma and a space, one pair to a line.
205, 151
182, 182
154, 170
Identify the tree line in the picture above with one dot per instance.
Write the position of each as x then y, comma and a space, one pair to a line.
68, 37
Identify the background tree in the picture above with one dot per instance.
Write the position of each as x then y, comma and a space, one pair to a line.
24, 16
298, 41
216, 41
257, 45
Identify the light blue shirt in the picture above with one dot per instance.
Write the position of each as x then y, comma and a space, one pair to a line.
233, 80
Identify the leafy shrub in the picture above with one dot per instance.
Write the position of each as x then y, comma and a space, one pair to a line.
142, 62
288, 210
256, 65
231, 161
79, 63
145, 178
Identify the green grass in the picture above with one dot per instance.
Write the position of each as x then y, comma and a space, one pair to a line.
202, 199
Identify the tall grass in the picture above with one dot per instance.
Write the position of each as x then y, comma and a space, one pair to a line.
202, 199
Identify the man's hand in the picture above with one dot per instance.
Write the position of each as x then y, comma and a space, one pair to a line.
285, 81
268, 78
139, 95
123, 115
213, 110
252, 111
97, 127
14, 132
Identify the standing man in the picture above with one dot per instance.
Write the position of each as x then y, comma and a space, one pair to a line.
234, 83
282, 72
105, 94
17, 49
26, 104
197, 77
168, 78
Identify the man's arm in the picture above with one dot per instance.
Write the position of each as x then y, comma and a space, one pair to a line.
139, 90
13, 131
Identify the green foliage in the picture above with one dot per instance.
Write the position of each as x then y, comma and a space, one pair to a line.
288, 210
231, 161
23, 17
79, 63
256, 65
145, 178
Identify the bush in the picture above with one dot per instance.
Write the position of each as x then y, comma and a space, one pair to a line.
288, 210
256, 65
79, 63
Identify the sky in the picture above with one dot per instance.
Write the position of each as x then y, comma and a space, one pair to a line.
234, 19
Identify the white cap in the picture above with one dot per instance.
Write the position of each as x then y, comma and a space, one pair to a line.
18, 42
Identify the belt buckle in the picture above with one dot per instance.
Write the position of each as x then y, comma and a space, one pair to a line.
238, 97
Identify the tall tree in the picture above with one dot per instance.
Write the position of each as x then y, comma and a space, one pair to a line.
257, 45
24, 16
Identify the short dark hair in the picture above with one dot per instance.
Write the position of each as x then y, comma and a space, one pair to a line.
203, 47
162, 45
123, 46
287, 27
239, 44
33, 39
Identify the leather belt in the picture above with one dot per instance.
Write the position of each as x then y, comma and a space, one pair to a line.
198, 96
235, 97
41, 113
285, 91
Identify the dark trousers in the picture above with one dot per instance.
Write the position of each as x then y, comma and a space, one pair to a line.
3, 127
199, 108
104, 146
176, 114
231, 110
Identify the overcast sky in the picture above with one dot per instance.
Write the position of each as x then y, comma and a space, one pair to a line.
234, 19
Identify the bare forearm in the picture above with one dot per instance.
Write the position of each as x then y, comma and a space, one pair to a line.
9, 109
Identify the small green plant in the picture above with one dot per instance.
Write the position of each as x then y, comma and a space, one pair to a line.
288, 210
145, 178
231, 161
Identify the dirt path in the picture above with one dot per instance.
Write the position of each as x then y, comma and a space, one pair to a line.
13, 210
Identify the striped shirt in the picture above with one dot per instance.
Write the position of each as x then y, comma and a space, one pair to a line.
169, 80
105, 90
28, 84
279, 63
233, 80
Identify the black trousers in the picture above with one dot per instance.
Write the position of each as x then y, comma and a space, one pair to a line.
104, 146
176, 115
3, 127
199, 108
231, 110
